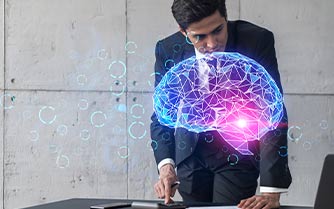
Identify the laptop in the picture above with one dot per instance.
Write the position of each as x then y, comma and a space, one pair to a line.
324, 198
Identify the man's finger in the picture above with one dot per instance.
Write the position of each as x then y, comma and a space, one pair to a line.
156, 190
242, 202
248, 202
261, 204
161, 187
167, 191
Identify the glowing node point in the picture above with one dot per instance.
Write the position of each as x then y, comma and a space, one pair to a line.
242, 123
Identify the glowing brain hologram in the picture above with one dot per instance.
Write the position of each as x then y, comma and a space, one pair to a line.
222, 91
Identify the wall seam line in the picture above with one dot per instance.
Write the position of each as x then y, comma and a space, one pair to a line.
126, 99
3, 102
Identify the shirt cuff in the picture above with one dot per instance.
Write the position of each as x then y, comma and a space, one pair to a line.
166, 161
273, 189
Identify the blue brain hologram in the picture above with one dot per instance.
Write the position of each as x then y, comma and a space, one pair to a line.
226, 92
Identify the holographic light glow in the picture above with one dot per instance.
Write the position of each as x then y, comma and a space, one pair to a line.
222, 91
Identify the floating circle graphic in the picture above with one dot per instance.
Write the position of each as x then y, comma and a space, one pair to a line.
83, 104
283, 151
176, 48
34, 135
53, 148
323, 124
84, 134
117, 129
201, 49
182, 145
131, 47
277, 132
153, 74
225, 149
142, 128
102, 54
295, 133
45, 109
123, 152
82, 79
188, 40
137, 106
87, 63
152, 145
208, 138
233, 159
79, 151
117, 72
63, 161
62, 130
166, 136
26, 114
169, 63
98, 114
307, 145
73, 55
120, 93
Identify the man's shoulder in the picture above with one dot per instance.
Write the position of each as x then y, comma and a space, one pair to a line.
248, 38
247, 29
176, 45
175, 37
176, 42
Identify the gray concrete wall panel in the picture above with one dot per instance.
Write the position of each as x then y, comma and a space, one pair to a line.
233, 9
64, 144
303, 30
147, 22
76, 143
311, 138
142, 167
2, 71
1, 144
71, 45
2, 46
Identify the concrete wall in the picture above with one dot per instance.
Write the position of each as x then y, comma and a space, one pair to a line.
76, 85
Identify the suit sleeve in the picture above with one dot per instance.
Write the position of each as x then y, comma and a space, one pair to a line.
274, 169
163, 141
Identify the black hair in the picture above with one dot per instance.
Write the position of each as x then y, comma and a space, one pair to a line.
187, 12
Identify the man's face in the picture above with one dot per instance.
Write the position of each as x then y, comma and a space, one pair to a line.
209, 34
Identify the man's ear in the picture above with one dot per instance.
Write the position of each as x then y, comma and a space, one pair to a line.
182, 31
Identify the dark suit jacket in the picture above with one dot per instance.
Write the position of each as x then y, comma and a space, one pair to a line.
249, 40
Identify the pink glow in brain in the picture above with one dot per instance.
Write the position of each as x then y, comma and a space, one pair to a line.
227, 92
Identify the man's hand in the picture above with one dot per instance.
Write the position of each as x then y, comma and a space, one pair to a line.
264, 201
163, 186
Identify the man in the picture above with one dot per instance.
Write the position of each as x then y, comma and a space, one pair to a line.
208, 168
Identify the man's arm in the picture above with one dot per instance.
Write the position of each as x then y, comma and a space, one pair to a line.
274, 170
163, 136
164, 141
275, 175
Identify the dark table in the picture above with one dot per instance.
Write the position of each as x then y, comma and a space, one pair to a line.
79, 203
